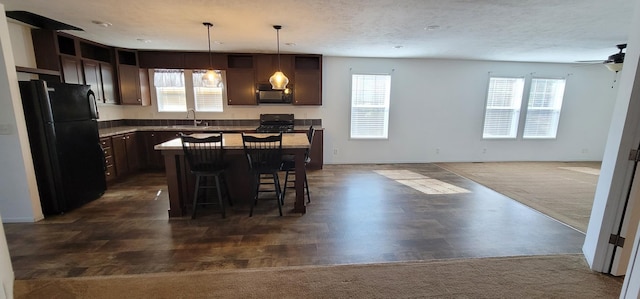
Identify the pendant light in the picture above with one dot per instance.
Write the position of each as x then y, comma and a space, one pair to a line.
211, 77
278, 80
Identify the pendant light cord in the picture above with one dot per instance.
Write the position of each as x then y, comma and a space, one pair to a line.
277, 27
209, 41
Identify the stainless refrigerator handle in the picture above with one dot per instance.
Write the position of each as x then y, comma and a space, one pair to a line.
92, 101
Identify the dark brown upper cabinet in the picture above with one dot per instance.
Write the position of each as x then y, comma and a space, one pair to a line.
79, 61
181, 60
71, 69
108, 83
120, 75
267, 64
308, 77
93, 77
200, 61
241, 81
129, 78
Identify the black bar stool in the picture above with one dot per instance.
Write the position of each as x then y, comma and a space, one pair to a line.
205, 157
264, 155
289, 166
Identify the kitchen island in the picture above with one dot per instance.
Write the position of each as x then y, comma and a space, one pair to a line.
180, 182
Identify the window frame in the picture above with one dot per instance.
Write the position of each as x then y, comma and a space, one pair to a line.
189, 90
178, 91
526, 111
385, 106
219, 89
515, 107
556, 109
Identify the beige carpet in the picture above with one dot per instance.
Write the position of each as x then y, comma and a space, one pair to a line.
558, 276
561, 190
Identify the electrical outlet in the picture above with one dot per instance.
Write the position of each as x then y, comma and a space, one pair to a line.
484, 150
437, 150
335, 151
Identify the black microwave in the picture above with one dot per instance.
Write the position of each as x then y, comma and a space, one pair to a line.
267, 95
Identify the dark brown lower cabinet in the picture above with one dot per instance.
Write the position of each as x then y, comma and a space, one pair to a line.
125, 154
150, 158
133, 152
316, 152
133, 157
119, 146
107, 148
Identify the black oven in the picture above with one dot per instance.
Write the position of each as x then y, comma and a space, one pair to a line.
275, 123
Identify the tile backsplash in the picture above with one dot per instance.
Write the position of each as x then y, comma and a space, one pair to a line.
185, 122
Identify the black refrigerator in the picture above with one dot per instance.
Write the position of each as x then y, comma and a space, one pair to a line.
63, 134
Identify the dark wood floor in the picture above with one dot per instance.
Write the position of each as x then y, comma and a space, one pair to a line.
356, 216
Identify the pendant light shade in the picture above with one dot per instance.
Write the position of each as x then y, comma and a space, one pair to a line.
211, 78
278, 80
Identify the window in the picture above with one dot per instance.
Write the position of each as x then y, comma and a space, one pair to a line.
173, 91
370, 106
543, 110
504, 99
207, 98
502, 114
170, 91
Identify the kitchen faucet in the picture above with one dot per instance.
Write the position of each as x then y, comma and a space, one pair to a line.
195, 121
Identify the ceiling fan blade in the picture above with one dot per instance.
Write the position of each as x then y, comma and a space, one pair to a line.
591, 61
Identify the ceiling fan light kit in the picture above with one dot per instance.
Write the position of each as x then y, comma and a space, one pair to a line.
614, 67
614, 62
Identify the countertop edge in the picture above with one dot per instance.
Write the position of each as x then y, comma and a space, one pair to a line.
108, 132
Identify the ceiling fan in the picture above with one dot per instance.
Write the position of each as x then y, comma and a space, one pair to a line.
614, 62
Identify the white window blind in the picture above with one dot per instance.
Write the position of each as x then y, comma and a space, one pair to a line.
207, 98
170, 90
370, 106
543, 110
502, 114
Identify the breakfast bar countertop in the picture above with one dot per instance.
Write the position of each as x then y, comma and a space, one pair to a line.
234, 141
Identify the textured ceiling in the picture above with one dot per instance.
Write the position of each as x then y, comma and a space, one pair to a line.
505, 30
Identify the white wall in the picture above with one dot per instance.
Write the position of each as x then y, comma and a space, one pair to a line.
437, 112
21, 43
19, 199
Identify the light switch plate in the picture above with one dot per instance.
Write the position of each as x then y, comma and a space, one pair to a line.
6, 129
